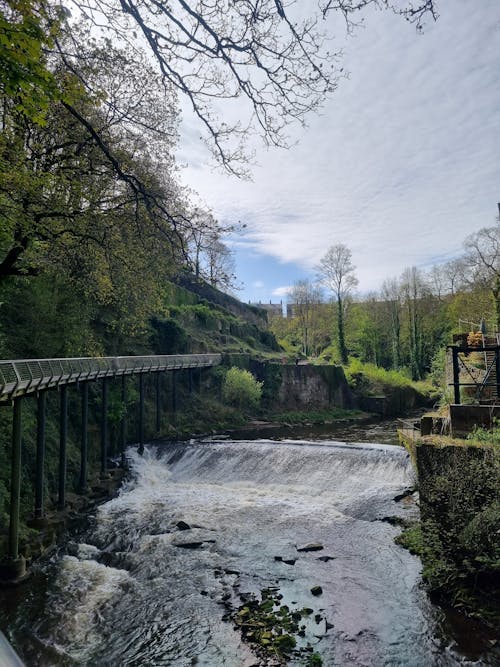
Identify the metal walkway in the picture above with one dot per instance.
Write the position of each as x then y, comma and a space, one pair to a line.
28, 376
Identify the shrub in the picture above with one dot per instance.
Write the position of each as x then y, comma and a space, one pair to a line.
241, 389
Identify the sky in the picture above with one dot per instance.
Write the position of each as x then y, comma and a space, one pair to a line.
401, 164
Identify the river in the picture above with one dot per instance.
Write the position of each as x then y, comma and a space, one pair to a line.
200, 526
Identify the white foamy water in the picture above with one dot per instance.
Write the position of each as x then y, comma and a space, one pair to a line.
136, 594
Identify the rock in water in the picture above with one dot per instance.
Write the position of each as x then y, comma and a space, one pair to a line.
313, 546
316, 590
182, 525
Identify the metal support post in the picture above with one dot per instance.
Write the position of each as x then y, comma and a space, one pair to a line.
15, 481
63, 440
497, 369
456, 375
84, 440
141, 414
158, 403
104, 428
123, 425
40, 453
174, 390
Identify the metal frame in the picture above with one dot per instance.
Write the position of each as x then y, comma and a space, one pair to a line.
27, 376
458, 361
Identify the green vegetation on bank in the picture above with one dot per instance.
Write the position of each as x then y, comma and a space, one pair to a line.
457, 537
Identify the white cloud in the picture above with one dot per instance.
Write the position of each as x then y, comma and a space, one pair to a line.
258, 284
282, 291
402, 164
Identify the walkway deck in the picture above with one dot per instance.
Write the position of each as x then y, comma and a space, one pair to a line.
27, 376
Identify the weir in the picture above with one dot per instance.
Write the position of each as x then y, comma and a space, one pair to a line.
23, 378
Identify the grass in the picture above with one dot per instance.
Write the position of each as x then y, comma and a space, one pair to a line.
380, 378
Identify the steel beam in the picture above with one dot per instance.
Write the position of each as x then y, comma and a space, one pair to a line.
40, 454
158, 401
63, 441
15, 480
174, 391
141, 414
456, 375
123, 424
84, 438
104, 428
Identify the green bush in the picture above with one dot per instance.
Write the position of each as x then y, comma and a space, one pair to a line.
241, 389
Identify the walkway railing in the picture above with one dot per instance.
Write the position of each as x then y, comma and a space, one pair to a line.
27, 376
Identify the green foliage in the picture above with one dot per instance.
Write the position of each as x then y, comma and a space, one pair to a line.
411, 539
241, 389
26, 31
272, 377
274, 629
458, 537
483, 435
380, 377
168, 337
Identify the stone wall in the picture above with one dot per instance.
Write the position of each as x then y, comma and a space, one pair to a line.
460, 514
303, 387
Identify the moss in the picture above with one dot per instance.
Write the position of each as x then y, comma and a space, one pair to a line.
458, 538
273, 629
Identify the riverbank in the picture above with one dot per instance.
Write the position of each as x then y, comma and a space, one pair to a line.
457, 537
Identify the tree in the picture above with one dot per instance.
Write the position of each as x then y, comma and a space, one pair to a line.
305, 297
336, 272
275, 57
241, 389
483, 261
27, 30
221, 266
391, 294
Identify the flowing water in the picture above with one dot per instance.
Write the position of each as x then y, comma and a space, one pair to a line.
135, 590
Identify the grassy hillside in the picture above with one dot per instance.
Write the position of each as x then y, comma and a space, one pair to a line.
199, 318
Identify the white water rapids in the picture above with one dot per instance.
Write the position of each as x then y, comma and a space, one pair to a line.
129, 595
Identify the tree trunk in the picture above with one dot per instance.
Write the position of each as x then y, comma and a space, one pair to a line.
340, 322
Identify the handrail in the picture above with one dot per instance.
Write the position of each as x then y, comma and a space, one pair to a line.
27, 376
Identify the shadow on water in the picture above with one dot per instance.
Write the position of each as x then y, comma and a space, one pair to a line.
380, 431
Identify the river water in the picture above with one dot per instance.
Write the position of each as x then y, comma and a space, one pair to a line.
134, 589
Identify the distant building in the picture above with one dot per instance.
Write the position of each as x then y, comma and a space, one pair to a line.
273, 309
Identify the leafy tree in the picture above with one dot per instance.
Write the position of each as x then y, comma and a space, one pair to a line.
241, 389
27, 31
336, 272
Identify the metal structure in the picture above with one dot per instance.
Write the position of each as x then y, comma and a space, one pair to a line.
27, 376
487, 378
23, 378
